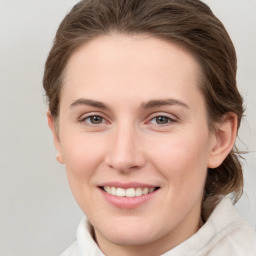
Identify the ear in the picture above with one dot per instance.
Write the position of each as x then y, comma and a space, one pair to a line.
52, 126
225, 136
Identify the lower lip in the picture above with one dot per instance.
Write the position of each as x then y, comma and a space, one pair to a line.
127, 202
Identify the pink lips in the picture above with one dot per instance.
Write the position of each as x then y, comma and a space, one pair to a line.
126, 185
126, 202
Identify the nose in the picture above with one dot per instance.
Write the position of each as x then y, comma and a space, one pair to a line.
125, 150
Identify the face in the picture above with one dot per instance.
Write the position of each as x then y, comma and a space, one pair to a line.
134, 137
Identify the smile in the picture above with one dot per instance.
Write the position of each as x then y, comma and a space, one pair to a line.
129, 192
128, 195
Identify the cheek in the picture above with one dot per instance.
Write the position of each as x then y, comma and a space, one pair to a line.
82, 153
82, 157
183, 159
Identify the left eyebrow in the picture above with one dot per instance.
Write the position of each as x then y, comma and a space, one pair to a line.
163, 102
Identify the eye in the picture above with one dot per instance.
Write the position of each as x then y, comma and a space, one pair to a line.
162, 120
93, 120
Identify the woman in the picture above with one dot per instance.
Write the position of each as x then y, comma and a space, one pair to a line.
144, 111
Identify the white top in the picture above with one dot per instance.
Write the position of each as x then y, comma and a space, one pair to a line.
225, 233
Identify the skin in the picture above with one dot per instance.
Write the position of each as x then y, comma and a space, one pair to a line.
128, 143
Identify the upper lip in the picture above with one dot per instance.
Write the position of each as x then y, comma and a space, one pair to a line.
127, 185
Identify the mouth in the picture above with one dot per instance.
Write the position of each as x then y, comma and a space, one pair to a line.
128, 192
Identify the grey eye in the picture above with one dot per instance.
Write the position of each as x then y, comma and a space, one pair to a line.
95, 119
162, 120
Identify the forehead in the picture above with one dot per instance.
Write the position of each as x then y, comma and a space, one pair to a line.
124, 49
143, 64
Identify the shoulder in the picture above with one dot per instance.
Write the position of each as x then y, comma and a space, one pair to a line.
229, 233
72, 250
84, 245
224, 233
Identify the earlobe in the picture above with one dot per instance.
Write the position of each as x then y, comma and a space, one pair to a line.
52, 126
59, 158
225, 136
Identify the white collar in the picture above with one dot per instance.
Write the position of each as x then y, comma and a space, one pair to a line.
224, 231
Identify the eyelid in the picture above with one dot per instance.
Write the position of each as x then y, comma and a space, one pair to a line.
85, 116
163, 114
172, 119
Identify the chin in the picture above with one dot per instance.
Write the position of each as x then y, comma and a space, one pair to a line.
132, 239
130, 233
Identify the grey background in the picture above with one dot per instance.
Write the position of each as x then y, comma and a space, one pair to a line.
38, 216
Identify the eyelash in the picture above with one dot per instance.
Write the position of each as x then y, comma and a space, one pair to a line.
167, 118
89, 123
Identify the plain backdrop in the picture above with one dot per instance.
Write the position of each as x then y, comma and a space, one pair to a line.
38, 216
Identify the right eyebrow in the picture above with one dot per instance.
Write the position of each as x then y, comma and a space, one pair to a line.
88, 102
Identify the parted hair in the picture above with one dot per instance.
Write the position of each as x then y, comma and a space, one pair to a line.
188, 23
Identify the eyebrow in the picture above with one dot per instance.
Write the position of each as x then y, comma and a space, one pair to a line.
159, 103
148, 105
88, 102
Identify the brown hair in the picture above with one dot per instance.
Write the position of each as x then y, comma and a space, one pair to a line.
188, 23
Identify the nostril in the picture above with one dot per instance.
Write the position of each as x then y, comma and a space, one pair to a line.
123, 153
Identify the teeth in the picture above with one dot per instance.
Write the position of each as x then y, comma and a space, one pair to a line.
151, 190
108, 189
145, 191
130, 192
120, 192
138, 192
113, 191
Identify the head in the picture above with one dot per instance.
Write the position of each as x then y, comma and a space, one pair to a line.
190, 32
